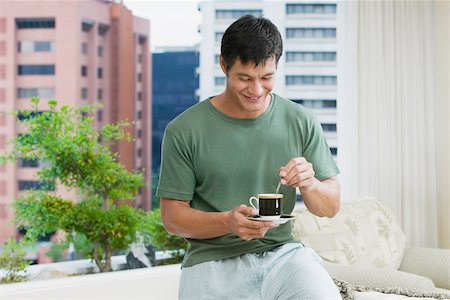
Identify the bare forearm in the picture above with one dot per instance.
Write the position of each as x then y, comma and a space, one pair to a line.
182, 220
323, 199
192, 223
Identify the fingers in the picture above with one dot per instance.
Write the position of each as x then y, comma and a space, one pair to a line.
247, 229
246, 210
297, 173
256, 230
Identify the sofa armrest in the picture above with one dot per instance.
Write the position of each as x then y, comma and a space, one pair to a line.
379, 277
433, 263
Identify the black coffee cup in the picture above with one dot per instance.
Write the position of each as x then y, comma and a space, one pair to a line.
268, 205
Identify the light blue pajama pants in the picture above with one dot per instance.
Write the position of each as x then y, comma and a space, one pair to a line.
291, 271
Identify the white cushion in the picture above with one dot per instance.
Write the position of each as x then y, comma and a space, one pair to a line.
364, 232
370, 277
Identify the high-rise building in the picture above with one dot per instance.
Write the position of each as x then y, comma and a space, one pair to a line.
174, 86
77, 52
307, 70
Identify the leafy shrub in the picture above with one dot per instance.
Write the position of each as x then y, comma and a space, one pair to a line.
13, 262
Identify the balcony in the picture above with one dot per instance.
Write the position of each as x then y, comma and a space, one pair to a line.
148, 283
160, 282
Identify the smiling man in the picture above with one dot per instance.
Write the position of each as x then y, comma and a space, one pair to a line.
240, 143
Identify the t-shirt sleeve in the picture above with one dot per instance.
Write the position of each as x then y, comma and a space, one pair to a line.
318, 153
177, 178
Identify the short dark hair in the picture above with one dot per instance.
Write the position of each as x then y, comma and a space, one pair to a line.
251, 39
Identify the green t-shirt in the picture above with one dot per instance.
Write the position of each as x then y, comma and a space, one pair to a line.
218, 162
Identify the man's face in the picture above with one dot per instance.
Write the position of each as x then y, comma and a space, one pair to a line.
248, 87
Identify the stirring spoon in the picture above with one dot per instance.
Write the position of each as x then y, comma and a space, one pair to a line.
278, 187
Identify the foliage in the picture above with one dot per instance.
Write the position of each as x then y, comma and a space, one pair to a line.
160, 238
75, 154
12, 261
56, 252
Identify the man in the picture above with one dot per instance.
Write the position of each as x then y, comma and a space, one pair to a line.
234, 145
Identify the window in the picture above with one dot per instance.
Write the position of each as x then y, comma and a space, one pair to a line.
139, 133
316, 103
100, 115
100, 94
28, 163
86, 25
84, 93
139, 152
218, 36
100, 51
84, 48
35, 69
310, 80
34, 185
139, 114
43, 46
35, 46
216, 58
25, 46
231, 14
102, 29
25, 115
310, 56
142, 39
139, 77
100, 73
328, 127
315, 33
219, 81
43, 93
26, 23
139, 96
333, 151
311, 8
84, 71
139, 58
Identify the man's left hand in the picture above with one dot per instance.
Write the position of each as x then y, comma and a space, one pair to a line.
298, 173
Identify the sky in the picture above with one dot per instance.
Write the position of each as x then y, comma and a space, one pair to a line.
172, 23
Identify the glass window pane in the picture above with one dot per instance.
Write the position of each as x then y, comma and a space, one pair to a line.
36, 69
42, 46
26, 46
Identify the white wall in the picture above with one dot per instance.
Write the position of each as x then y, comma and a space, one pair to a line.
154, 283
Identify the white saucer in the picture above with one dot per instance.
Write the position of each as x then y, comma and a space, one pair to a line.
275, 219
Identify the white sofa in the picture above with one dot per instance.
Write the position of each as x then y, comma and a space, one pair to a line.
364, 245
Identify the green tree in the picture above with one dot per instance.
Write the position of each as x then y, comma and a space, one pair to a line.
78, 156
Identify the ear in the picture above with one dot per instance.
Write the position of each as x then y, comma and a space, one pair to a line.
223, 65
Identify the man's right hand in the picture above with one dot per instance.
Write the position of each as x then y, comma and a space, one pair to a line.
182, 220
247, 229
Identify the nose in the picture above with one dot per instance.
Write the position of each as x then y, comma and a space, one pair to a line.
255, 88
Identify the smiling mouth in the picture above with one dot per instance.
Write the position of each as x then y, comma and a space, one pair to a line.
253, 99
